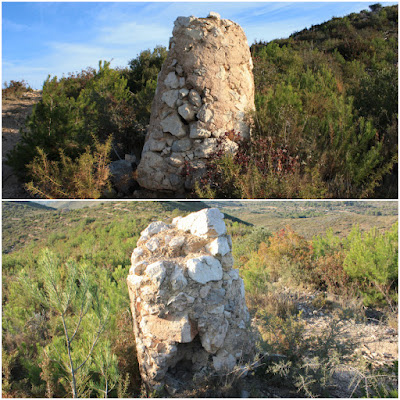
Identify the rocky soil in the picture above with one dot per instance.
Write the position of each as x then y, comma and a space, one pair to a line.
369, 339
14, 114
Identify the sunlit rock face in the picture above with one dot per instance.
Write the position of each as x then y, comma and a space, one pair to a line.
188, 304
204, 89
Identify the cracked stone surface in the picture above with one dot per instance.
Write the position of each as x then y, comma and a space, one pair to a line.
187, 301
204, 89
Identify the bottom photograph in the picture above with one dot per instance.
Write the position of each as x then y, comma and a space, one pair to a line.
199, 299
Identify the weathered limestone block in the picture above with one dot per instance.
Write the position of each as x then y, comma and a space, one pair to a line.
187, 302
204, 89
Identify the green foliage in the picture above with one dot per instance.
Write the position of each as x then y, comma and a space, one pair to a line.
361, 264
76, 299
99, 241
142, 80
327, 98
95, 249
15, 89
75, 117
86, 177
260, 169
284, 335
372, 261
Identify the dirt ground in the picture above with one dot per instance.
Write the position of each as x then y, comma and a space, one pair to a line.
370, 340
14, 114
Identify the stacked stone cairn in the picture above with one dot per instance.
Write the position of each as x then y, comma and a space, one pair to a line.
204, 90
188, 303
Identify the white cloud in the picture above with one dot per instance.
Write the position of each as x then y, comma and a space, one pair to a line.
133, 33
120, 31
13, 26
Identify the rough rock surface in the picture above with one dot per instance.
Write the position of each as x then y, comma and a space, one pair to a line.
204, 89
188, 305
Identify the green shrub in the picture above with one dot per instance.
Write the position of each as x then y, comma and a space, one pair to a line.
372, 261
142, 80
76, 115
15, 89
328, 96
260, 169
85, 177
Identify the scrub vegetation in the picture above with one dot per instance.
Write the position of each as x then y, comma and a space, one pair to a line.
325, 124
66, 322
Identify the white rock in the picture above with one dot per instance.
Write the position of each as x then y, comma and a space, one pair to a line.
195, 34
187, 112
175, 159
135, 280
181, 298
177, 242
173, 125
171, 81
242, 292
205, 223
167, 239
204, 291
183, 93
195, 98
183, 21
156, 272
219, 246
214, 15
178, 280
138, 252
198, 133
181, 145
176, 220
138, 268
234, 274
153, 244
170, 97
207, 148
227, 261
152, 229
223, 361
156, 145
179, 69
205, 114
217, 310
204, 269
213, 339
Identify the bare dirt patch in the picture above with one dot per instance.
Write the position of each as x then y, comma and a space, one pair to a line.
14, 114
369, 340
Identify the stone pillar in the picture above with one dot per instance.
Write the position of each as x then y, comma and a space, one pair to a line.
204, 89
187, 302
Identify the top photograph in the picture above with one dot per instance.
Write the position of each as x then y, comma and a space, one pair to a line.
227, 100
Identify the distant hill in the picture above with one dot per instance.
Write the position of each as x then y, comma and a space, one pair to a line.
329, 96
71, 204
35, 222
20, 208
311, 218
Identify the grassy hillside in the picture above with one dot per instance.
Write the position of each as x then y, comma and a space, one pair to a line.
314, 218
98, 241
326, 115
325, 125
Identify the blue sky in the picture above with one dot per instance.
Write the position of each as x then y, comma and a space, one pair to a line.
41, 38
